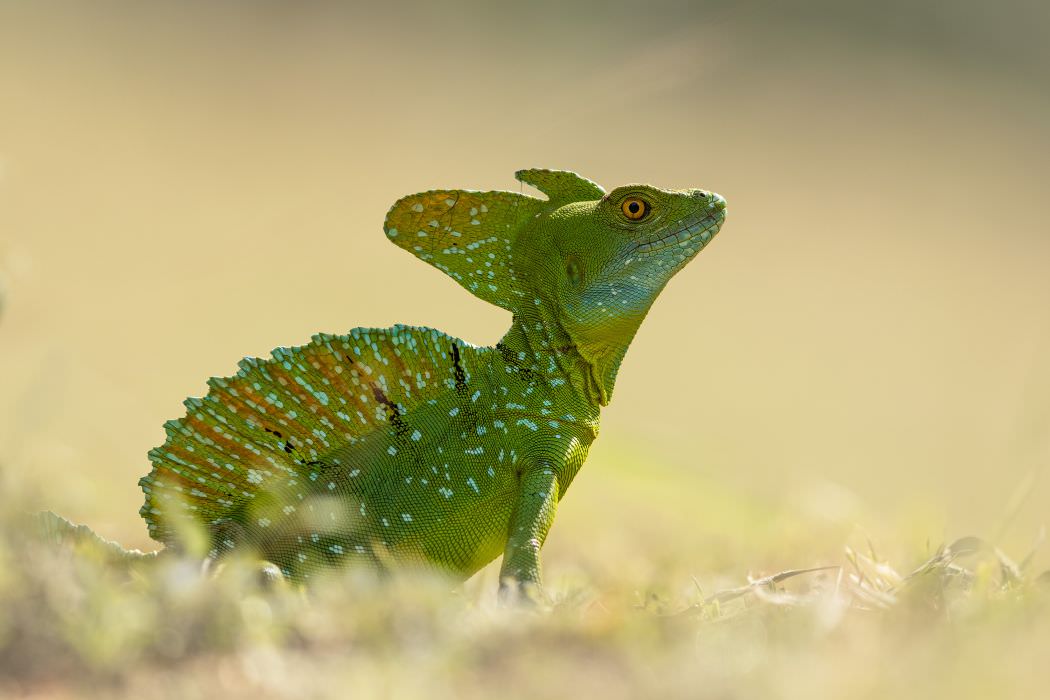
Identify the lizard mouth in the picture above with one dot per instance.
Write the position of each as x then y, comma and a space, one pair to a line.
702, 230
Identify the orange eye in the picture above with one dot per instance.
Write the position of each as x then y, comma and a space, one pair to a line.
634, 208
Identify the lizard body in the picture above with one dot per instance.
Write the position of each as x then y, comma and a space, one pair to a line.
403, 445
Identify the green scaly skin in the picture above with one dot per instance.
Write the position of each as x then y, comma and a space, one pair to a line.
407, 447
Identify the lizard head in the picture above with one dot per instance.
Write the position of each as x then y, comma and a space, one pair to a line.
608, 260
592, 262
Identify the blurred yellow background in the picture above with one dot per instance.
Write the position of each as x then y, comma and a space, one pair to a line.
866, 343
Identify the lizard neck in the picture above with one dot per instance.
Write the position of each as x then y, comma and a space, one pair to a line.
537, 341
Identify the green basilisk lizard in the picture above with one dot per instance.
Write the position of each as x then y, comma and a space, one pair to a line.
403, 445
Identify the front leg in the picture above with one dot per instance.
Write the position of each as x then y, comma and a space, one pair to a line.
529, 525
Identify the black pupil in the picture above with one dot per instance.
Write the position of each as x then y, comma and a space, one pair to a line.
634, 207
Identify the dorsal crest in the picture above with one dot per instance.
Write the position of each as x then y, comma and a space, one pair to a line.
471, 235
280, 431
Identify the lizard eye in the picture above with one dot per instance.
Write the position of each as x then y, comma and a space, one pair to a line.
634, 208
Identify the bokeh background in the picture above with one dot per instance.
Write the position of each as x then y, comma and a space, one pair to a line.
862, 353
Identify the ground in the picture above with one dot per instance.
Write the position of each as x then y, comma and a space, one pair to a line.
646, 605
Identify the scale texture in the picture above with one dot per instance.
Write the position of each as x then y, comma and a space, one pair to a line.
404, 446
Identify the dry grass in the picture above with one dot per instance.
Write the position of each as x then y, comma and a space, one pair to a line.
967, 622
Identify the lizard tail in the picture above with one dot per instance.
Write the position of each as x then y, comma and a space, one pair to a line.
56, 531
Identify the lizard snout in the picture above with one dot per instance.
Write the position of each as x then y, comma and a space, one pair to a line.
712, 200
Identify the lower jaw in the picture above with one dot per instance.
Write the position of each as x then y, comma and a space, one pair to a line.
696, 241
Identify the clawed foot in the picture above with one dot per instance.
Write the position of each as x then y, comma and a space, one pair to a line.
522, 594
265, 574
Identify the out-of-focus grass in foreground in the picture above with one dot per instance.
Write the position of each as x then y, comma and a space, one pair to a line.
968, 622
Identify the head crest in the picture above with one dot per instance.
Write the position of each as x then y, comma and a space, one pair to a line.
561, 186
471, 235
